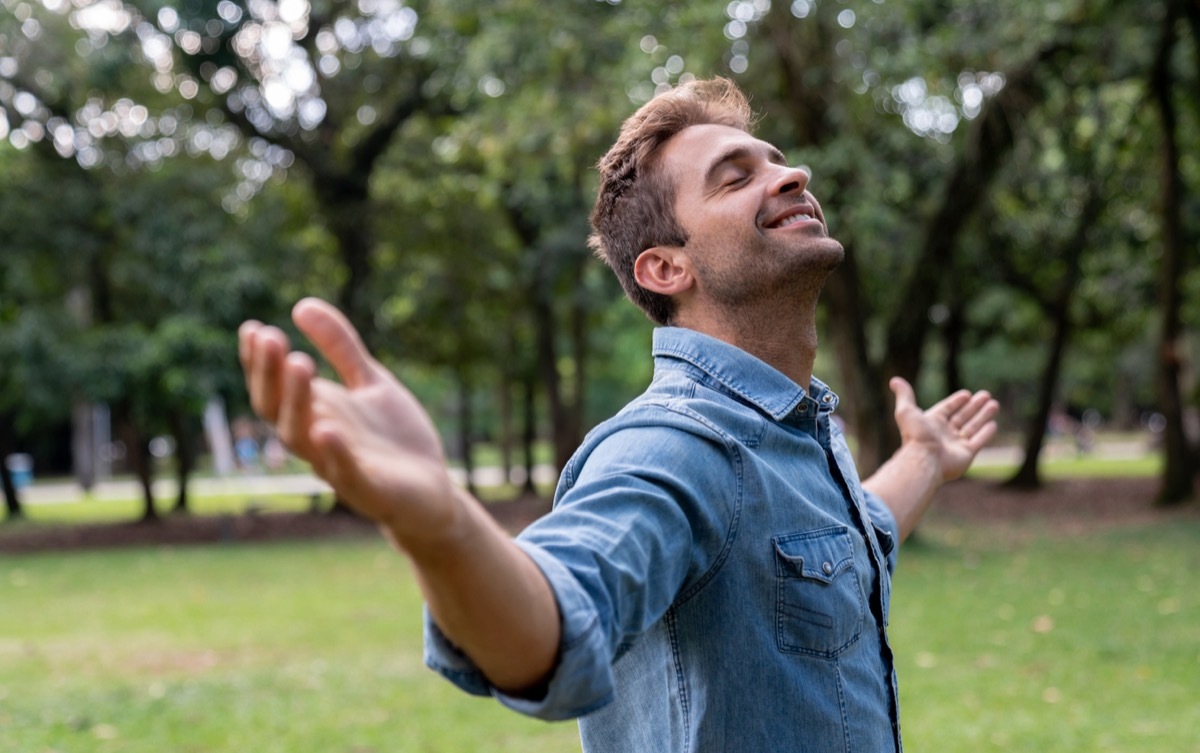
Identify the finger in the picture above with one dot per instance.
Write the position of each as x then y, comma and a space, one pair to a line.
246, 342
268, 346
295, 404
950, 408
336, 339
978, 412
905, 397
981, 437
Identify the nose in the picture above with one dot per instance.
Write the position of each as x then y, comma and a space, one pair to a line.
789, 180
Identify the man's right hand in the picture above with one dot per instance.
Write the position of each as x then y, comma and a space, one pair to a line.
368, 437
376, 446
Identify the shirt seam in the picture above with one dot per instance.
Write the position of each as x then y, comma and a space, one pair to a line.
731, 531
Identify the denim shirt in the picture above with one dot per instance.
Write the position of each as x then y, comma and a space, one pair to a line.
722, 577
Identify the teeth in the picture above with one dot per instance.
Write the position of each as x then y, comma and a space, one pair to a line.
794, 219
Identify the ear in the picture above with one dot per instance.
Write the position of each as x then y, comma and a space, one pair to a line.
664, 269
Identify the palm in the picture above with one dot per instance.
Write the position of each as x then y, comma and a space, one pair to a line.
367, 436
953, 430
397, 463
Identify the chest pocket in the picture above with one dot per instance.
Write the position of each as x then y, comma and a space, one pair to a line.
818, 599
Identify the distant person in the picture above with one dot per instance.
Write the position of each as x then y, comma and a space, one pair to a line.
245, 446
714, 576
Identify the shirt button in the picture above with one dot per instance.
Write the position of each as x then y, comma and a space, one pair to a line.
804, 408
828, 398
828, 568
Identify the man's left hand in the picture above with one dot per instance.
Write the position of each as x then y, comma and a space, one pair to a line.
952, 431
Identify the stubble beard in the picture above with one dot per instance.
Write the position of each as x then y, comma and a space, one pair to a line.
775, 277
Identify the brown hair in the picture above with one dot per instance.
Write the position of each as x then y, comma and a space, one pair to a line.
634, 207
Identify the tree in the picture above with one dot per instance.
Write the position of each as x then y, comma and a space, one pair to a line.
830, 76
329, 84
519, 162
1179, 467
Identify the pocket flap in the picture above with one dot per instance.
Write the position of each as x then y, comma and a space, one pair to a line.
818, 555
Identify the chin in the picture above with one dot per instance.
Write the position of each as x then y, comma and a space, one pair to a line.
827, 253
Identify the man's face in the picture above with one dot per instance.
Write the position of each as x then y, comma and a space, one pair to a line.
753, 230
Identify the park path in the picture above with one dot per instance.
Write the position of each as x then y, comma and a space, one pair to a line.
249, 484
63, 491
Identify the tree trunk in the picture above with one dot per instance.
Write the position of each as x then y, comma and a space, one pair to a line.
138, 458
12, 498
545, 324
805, 55
579, 348
529, 431
341, 179
1059, 313
345, 206
869, 407
504, 436
809, 94
185, 459
989, 140
953, 330
465, 430
1028, 475
1178, 471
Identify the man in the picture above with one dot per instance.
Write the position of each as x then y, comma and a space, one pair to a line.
713, 577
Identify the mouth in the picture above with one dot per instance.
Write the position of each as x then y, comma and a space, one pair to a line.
791, 216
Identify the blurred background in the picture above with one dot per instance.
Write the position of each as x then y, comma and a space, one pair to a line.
1017, 186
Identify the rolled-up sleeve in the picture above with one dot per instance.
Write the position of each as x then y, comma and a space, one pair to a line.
582, 679
616, 550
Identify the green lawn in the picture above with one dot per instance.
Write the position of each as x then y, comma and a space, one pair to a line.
279, 648
1029, 644
114, 510
1077, 644
1084, 466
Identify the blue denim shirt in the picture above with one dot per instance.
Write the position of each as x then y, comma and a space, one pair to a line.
722, 577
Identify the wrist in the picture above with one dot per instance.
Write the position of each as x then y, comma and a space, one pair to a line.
442, 537
922, 458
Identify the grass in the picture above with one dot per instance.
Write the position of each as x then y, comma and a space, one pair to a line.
1074, 645
1084, 466
1017, 643
288, 648
110, 510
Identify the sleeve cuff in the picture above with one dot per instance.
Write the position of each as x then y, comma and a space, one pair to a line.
583, 679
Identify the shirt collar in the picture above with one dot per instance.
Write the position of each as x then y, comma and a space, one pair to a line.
748, 377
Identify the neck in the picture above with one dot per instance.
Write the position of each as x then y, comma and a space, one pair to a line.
784, 336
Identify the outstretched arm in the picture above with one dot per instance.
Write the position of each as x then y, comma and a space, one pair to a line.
376, 446
936, 445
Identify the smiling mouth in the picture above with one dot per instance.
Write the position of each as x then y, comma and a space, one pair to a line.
791, 220
800, 214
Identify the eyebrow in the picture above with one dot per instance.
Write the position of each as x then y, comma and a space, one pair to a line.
741, 152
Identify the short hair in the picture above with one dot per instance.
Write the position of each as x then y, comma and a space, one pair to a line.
634, 207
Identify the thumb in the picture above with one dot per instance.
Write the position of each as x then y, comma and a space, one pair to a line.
903, 391
336, 339
338, 465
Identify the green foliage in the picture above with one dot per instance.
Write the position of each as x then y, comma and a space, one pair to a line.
212, 195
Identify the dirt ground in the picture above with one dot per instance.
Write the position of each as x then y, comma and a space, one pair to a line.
1071, 507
